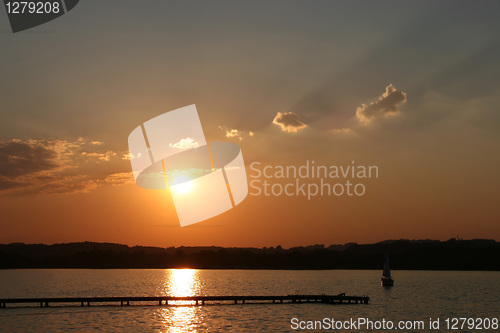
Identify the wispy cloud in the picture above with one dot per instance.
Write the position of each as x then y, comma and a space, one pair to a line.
342, 130
120, 178
60, 185
106, 157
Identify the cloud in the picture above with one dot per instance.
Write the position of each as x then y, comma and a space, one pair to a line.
185, 144
342, 130
100, 156
18, 158
126, 156
47, 184
289, 122
120, 178
235, 133
42, 167
386, 105
6, 184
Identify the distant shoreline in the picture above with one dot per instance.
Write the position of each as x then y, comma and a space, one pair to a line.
451, 255
254, 269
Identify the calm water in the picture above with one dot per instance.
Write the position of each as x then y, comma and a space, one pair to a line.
417, 295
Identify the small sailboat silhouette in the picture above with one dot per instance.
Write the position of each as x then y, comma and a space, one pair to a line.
387, 280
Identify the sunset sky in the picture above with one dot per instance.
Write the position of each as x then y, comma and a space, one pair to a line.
410, 87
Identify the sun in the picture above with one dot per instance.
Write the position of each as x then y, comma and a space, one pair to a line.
183, 185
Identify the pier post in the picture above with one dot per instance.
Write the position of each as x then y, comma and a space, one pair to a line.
202, 302
160, 303
128, 303
235, 301
88, 304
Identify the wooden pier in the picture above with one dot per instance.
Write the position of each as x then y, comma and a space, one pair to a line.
185, 300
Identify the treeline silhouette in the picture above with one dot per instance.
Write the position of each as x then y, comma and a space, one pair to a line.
478, 254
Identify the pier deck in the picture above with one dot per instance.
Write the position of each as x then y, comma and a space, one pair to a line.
185, 300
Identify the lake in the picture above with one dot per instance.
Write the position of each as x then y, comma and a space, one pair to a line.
416, 296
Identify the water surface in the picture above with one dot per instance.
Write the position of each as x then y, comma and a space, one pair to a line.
417, 295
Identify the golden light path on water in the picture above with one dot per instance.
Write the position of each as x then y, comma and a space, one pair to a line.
181, 316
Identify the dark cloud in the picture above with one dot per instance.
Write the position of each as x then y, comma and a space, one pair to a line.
387, 104
18, 158
289, 122
6, 184
42, 167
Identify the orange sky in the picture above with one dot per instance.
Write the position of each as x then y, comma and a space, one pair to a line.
294, 84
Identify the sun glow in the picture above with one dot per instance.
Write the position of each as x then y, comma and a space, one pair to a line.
183, 185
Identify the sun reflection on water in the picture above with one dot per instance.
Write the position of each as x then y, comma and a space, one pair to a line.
181, 316
182, 282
